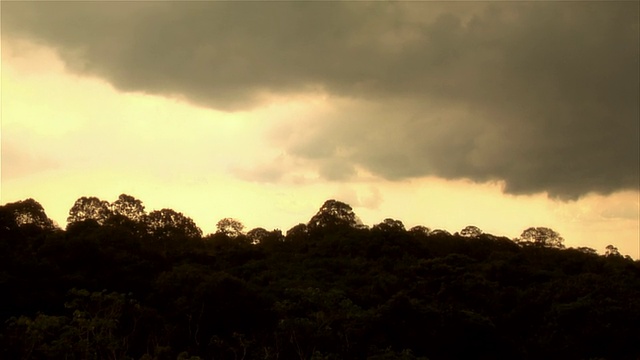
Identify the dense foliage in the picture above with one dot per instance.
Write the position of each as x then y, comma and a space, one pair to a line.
121, 283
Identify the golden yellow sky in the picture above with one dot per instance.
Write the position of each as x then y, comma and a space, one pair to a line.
65, 136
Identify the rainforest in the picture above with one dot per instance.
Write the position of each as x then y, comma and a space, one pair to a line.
119, 282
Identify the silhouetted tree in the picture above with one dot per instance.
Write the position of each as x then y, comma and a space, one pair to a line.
611, 250
272, 240
471, 231
129, 207
28, 212
541, 237
89, 208
587, 250
440, 232
258, 235
170, 223
297, 233
420, 229
230, 227
334, 214
389, 225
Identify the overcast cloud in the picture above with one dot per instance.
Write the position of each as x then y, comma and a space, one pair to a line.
542, 96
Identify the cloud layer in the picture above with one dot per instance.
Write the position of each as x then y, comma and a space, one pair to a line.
541, 96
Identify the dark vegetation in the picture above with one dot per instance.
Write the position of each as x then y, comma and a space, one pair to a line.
120, 283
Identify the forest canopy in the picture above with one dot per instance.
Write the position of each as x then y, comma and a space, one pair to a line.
119, 282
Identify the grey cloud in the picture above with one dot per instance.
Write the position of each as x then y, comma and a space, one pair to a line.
337, 170
542, 96
221, 54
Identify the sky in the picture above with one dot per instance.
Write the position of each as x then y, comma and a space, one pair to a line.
501, 115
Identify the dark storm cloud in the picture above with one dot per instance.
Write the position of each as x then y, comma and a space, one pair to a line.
542, 96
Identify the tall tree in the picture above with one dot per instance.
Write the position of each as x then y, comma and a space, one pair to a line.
541, 237
389, 225
257, 235
297, 233
612, 251
27, 212
333, 214
471, 231
420, 229
230, 227
129, 207
170, 223
89, 208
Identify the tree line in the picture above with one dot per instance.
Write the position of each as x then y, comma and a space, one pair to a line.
123, 283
